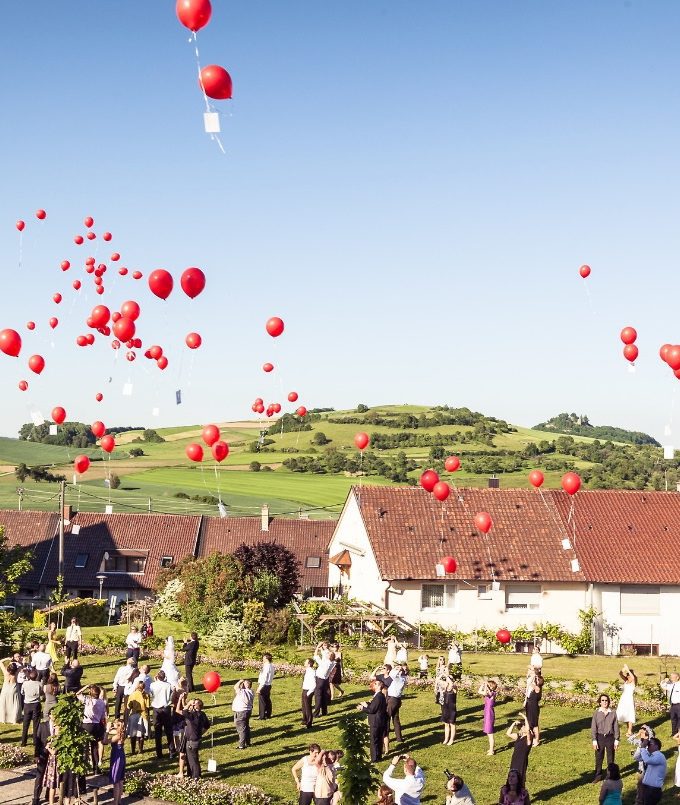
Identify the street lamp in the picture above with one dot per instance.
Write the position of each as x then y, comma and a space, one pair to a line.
101, 578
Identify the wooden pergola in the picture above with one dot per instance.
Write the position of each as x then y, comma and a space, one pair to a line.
369, 616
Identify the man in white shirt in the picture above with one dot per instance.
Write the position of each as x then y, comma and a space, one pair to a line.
133, 642
395, 683
73, 640
42, 661
322, 694
120, 680
242, 707
161, 697
308, 688
407, 791
264, 688
671, 687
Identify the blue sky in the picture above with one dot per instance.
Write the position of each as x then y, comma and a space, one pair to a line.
410, 186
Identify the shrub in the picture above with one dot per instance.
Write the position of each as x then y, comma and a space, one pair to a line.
277, 624
114, 481
171, 788
89, 611
228, 633
167, 605
253, 615
358, 778
12, 756
255, 466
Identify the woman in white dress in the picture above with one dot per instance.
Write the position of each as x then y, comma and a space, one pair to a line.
625, 712
171, 672
10, 702
391, 651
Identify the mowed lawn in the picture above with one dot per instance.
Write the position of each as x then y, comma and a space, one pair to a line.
560, 769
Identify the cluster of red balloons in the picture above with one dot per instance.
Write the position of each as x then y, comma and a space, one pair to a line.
39, 214
211, 436
214, 80
669, 353
430, 482
630, 351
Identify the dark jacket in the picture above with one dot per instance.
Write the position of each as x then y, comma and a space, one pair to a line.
72, 677
190, 649
377, 710
195, 724
40, 739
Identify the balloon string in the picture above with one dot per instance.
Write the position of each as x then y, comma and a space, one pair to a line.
208, 108
21, 248
485, 537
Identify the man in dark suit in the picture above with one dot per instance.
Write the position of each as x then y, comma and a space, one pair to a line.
40, 739
190, 649
376, 710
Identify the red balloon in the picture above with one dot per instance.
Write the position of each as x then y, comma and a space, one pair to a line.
107, 236
78, 240
115, 257
483, 522
90, 235
216, 82
41, 215
89, 221
107, 443
211, 681
301, 411
76, 284
162, 362
137, 275
361, 440
274, 326
155, 352
89, 261
100, 316
220, 451
571, 483
53, 322
452, 463
192, 282
130, 356
130, 310
210, 434
81, 341
57, 298
193, 340
536, 478
122, 271
124, 328
267, 367
503, 636
98, 428
630, 352
81, 464
115, 344
584, 271
160, 283
10, 342
36, 363
428, 479
276, 408
449, 563
65, 265
194, 451
99, 396
673, 357
194, 14
663, 352
292, 396
30, 325
629, 335
115, 316
23, 385
20, 225
441, 490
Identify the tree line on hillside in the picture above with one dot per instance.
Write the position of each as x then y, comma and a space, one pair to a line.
580, 426
442, 416
334, 461
69, 434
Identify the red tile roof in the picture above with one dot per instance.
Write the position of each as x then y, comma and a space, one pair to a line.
411, 531
625, 537
150, 535
305, 538
32, 530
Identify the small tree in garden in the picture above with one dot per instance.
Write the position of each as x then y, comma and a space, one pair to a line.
275, 560
72, 742
358, 778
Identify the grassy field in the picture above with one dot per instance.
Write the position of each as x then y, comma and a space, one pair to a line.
164, 471
560, 769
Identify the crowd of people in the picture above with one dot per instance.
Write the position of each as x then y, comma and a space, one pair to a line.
160, 708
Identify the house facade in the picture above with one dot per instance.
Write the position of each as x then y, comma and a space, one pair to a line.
546, 557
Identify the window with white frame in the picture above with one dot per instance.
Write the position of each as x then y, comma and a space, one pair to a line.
640, 599
523, 596
484, 592
438, 596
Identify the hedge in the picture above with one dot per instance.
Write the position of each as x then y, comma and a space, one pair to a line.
89, 611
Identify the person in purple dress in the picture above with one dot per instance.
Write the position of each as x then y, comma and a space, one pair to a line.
489, 690
116, 738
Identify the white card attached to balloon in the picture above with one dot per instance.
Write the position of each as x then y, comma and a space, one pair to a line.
668, 452
108, 509
211, 122
212, 764
53, 430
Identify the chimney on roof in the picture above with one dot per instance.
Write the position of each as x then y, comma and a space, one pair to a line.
494, 483
265, 517
303, 516
677, 487
67, 514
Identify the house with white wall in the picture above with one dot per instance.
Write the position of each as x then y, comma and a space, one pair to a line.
546, 557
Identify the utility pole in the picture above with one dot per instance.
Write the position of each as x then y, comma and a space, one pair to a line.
62, 503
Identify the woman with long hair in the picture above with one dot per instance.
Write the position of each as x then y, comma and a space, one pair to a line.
514, 792
449, 695
625, 712
10, 701
489, 690
612, 786
385, 795
116, 737
53, 644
